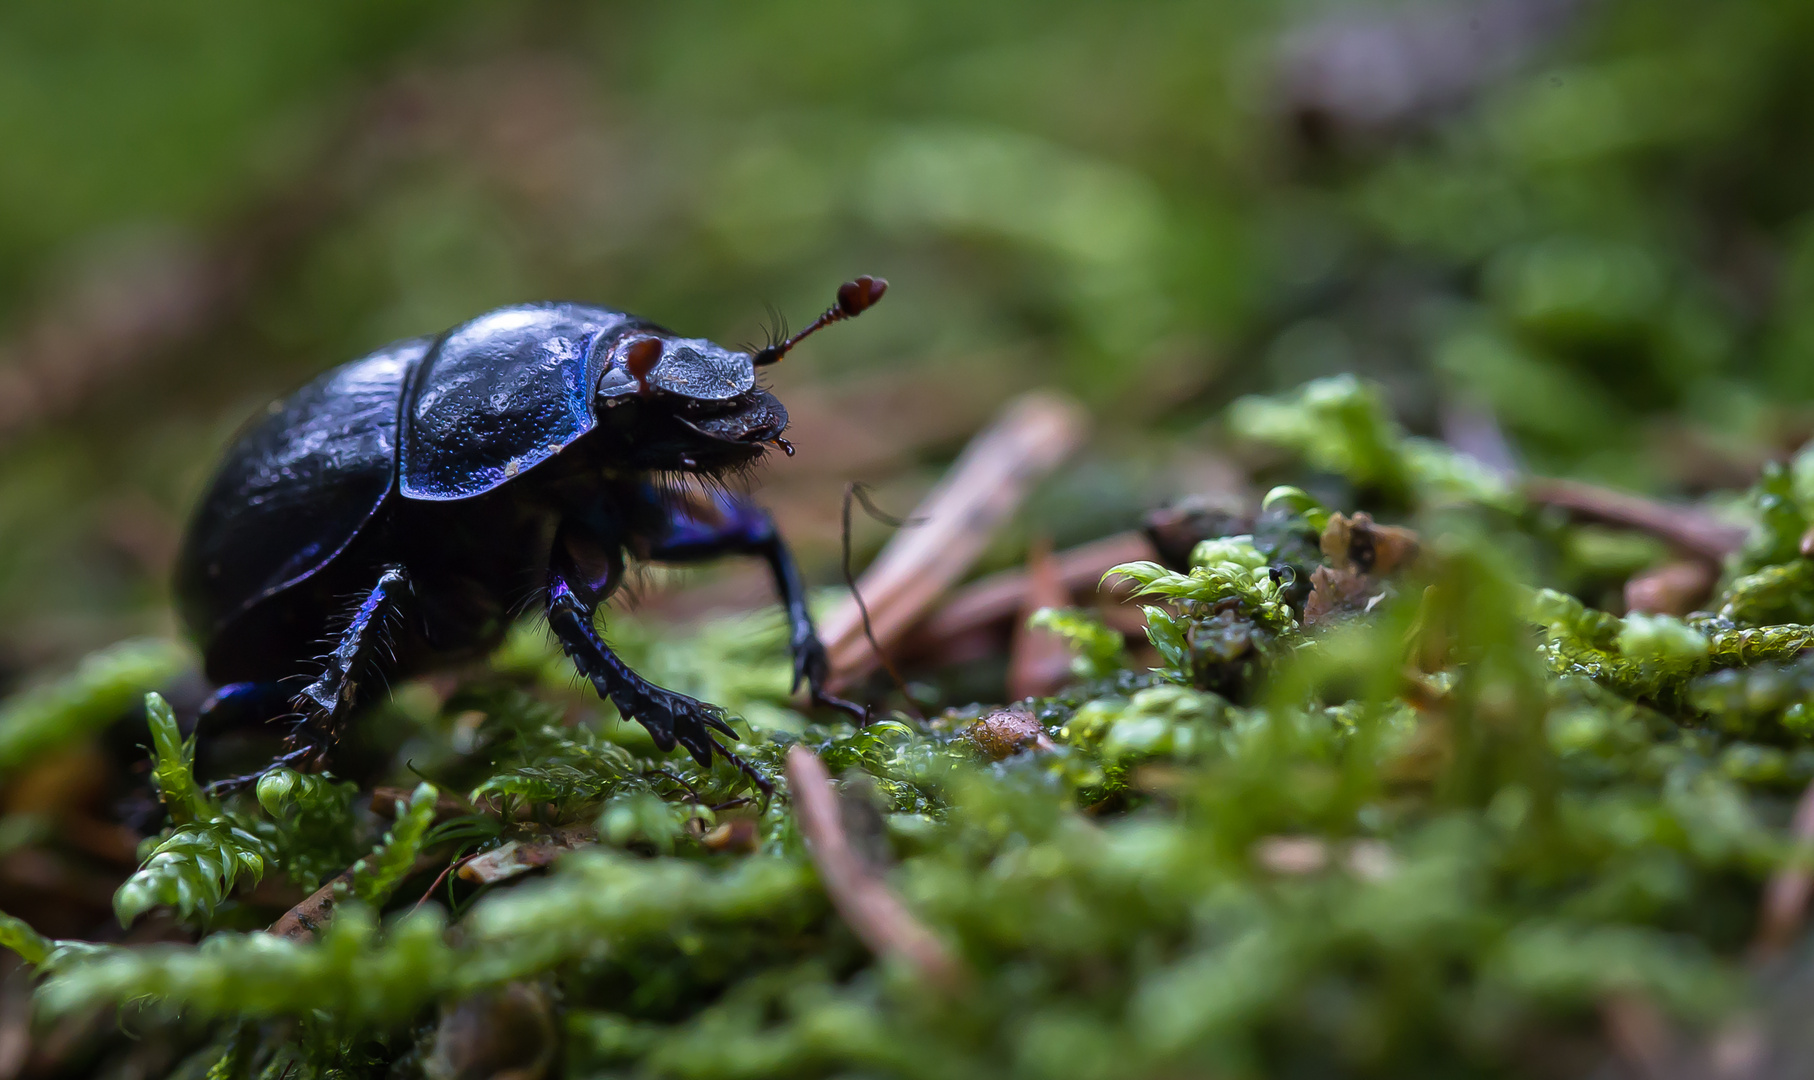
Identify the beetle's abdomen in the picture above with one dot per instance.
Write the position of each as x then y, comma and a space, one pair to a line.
294, 490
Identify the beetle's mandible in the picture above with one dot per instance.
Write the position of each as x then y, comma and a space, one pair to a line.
401, 508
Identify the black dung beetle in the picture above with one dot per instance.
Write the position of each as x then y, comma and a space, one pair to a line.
404, 507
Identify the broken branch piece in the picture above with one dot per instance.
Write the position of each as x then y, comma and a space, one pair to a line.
863, 900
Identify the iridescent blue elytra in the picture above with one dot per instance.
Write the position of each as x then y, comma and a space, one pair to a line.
399, 511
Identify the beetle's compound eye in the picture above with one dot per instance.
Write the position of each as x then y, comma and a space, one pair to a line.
640, 358
631, 364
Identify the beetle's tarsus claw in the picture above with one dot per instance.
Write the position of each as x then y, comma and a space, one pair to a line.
763, 784
677, 720
856, 712
701, 753
812, 669
811, 665
297, 758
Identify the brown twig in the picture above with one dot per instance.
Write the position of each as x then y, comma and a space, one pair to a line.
1039, 661
992, 603
439, 878
1786, 894
1691, 531
863, 900
307, 919
988, 482
302, 922
1639, 1035
385, 799
1675, 588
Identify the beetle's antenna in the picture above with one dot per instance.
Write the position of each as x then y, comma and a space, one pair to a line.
854, 298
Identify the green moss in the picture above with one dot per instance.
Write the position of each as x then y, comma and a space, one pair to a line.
107, 684
1405, 842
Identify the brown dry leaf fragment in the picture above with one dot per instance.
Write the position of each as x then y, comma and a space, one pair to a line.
1335, 593
518, 857
1357, 543
1007, 732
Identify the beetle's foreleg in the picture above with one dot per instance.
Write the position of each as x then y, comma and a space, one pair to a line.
733, 526
325, 703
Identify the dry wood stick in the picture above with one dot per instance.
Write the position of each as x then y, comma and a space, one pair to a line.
1640, 1036
1002, 595
1039, 661
306, 920
1786, 895
953, 525
1692, 531
863, 900
302, 922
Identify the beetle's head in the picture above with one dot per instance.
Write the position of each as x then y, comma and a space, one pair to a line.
686, 403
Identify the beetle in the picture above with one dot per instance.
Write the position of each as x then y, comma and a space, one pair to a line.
401, 509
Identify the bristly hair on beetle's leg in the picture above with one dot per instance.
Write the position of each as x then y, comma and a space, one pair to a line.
323, 705
854, 298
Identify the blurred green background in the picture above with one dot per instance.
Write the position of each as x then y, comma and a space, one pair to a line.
1571, 237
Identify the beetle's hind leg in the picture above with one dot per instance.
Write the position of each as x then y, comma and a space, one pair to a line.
322, 707
324, 704
671, 718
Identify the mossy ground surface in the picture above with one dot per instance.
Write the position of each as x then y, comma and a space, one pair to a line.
1440, 831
